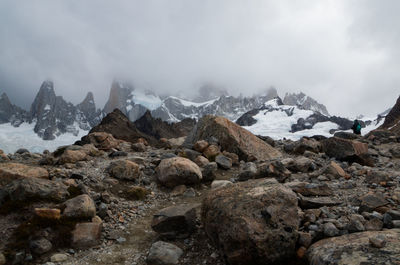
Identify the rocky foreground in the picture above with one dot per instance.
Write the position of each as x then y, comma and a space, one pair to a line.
219, 196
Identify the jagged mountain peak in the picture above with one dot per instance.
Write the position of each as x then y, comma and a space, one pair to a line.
303, 101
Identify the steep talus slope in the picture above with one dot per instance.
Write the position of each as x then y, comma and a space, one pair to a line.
392, 120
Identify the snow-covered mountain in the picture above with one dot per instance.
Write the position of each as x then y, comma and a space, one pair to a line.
279, 120
50, 115
305, 102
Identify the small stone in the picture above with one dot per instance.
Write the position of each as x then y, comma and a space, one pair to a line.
46, 213
301, 252
305, 239
178, 190
200, 146
40, 246
223, 161
209, 171
201, 161
378, 241
211, 152
396, 223
59, 258
189, 193
79, 207
330, 230
216, 184
163, 253
2, 259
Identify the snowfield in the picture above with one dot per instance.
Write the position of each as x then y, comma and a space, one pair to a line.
11, 139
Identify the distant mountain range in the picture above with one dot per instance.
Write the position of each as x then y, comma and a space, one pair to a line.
53, 116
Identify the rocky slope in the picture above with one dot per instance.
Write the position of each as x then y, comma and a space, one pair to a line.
392, 120
224, 197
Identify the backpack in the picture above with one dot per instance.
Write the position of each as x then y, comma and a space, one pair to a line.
358, 128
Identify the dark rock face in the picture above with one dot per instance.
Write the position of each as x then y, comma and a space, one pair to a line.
119, 126
87, 114
253, 222
10, 112
119, 93
392, 120
158, 128
54, 116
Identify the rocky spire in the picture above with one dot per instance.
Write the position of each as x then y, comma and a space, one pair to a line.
119, 94
6, 108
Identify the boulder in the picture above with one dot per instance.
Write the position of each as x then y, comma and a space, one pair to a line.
252, 222
377, 176
354, 249
223, 161
274, 169
101, 140
233, 157
300, 164
310, 189
163, 253
200, 146
175, 221
307, 144
12, 171
86, 235
347, 150
371, 201
201, 161
335, 171
209, 171
80, 207
247, 171
33, 189
232, 138
40, 246
72, 156
211, 152
124, 170
176, 171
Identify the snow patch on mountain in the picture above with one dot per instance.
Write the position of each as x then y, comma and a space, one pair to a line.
12, 138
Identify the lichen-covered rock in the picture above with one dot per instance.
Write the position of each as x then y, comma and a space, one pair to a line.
72, 156
176, 171
252, 222
355, 249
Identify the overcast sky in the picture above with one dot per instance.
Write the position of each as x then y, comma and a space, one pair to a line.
344, 53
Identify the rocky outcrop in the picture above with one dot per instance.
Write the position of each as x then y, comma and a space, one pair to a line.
392, 119
13, 171
305, 102
10, 112
161, 129
357, 248
120, 127
253, 222
54, 116
232, 138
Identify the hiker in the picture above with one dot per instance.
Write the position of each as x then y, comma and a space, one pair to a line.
356, 127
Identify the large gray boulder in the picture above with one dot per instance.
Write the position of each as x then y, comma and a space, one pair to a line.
252, 222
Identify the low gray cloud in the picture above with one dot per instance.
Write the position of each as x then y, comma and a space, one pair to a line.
342, 53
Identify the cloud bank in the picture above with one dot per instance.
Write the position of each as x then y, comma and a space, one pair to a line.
342, 53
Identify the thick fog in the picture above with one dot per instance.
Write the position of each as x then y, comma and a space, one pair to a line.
342, 53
